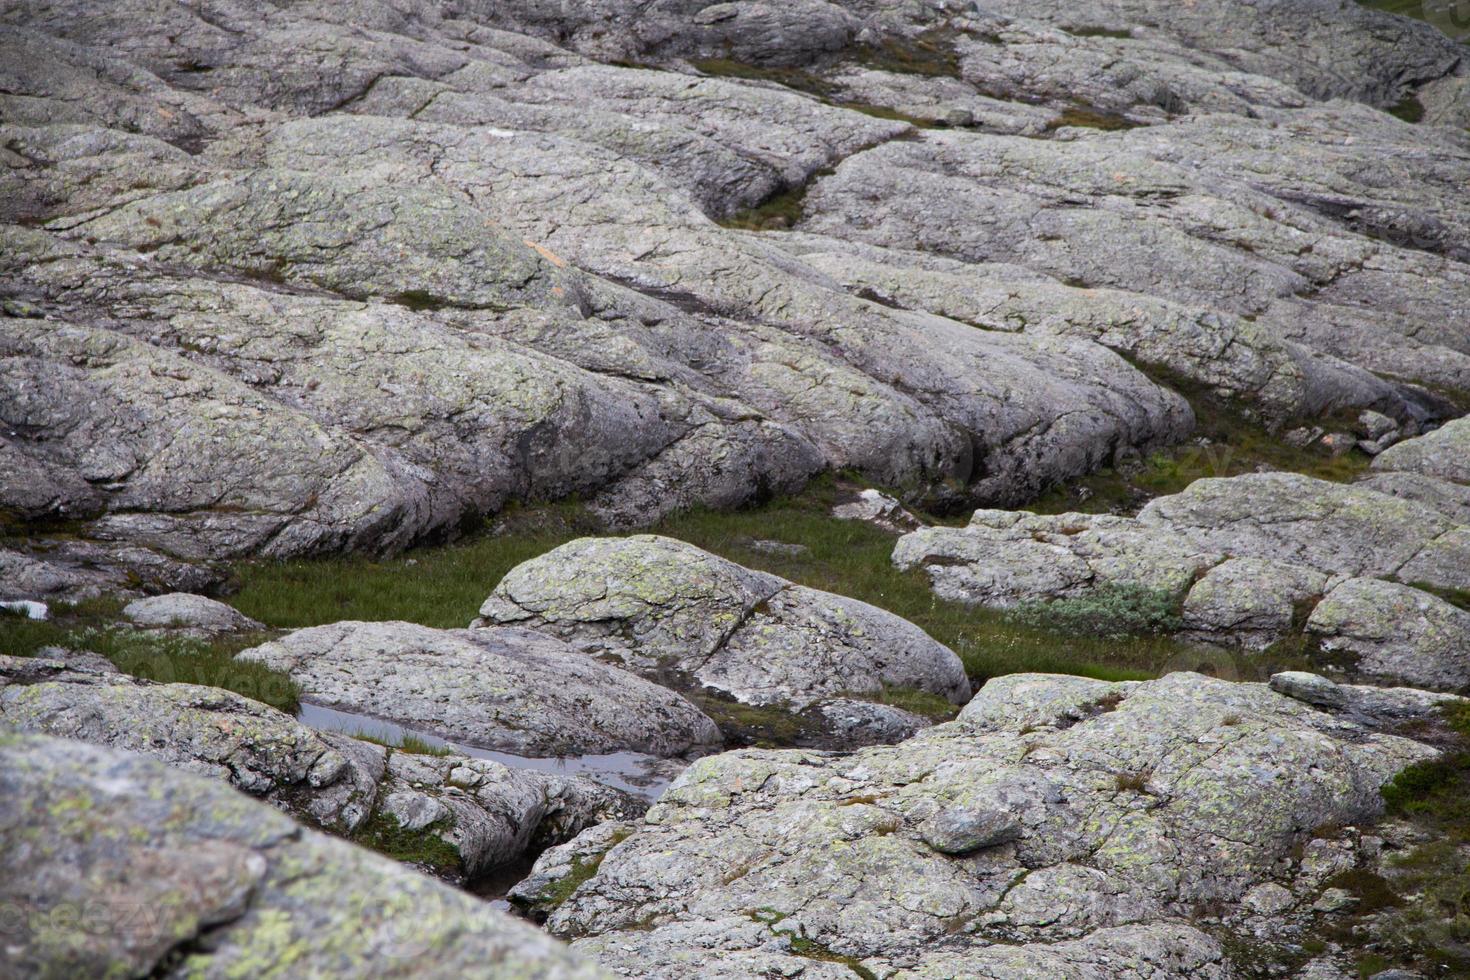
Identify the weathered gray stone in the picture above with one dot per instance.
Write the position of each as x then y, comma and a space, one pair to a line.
498, 688
1134, 802
185, 610
1376, 707
1251, 602
489, 813
1396, 633
1443, 453
658, 604
149, 860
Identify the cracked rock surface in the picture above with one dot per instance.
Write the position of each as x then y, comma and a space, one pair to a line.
1060, 826
284, 280
160, 858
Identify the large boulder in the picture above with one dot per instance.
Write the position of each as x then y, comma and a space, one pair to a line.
184, 610
658, 605
1060, 823
155, 872
501, 688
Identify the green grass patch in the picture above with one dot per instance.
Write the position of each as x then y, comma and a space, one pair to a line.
444, 586
155, 655
1091, 117
922, 703
411, 744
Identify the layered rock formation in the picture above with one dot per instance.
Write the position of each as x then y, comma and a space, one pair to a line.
283, 280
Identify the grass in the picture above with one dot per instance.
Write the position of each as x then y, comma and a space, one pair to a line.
154, 655
411, 744
1090, 117
444, 586
1228, 441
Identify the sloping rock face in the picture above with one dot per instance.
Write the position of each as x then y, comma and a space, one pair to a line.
487, 813
1060, 827
179, 875
499, 688
658, 604
280, 279
1364, 569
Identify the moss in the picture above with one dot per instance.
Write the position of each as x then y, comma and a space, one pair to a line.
1409, 109
779, 211
1098, 32
1455, 597
813, 950
931, 54
915, 701
425, 848
559, 891
761, 725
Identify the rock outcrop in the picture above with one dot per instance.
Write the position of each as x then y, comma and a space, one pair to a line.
499, 688
114, 864
1250, 560
486, 814
659, 605
1060, 826
255, 305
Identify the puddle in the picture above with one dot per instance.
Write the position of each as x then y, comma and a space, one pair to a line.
644, 776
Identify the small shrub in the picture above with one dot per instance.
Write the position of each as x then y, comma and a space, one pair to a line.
1115, 610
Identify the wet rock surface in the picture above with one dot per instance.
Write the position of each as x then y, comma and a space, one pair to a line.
1138, 802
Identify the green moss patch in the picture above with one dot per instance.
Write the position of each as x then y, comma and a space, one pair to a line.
424, 848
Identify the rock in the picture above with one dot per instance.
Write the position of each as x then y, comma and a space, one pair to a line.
1338, 443
879, 509
853, 724
184, 610
1251, 602
1268, 899
1450, 499
487, 812
960, 830
1443, 453
1136, 801
204, 859
1002, 558
1380, 708
1302, 437
1287, 517
658, 605
499, 688
1396, 633
1375, 425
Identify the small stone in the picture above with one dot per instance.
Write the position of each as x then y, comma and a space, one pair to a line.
1334, 900
1338, 443
960, 830
1268, 899
1375, 425
1303, 437
185, 610
959, 117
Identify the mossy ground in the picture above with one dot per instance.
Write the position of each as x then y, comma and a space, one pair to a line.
382, 833
444, 586
156, 655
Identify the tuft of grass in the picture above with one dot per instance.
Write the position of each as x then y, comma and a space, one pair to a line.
156, 656
411, 744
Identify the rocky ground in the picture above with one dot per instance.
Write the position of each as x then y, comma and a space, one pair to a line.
1151, 322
